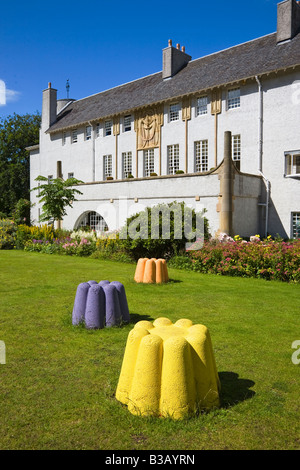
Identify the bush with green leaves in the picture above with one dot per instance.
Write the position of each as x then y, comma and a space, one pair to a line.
162, 231
7, 234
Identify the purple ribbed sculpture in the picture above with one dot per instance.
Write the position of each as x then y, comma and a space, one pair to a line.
100, 305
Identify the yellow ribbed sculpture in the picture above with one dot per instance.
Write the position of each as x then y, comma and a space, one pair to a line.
168, 370
151, 271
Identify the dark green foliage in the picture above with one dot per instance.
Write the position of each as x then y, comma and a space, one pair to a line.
56, 197
162, 231
16, 133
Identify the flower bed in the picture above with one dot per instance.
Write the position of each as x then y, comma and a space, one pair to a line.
267, 259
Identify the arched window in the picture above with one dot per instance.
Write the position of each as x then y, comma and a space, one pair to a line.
93, 221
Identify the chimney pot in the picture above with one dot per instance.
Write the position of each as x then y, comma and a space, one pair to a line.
170, 42
183, 48
178, 46
49, 85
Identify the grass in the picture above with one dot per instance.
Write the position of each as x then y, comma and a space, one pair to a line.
58, 384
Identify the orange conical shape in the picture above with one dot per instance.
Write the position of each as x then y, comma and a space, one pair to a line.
150, 271
140, 269
165, 269
160, 273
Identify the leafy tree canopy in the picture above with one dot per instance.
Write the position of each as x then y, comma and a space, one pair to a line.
56, 196
16, 133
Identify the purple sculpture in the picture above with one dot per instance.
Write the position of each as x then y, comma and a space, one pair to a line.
99, 305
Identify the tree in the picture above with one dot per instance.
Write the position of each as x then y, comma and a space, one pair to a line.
16, 133
56, 196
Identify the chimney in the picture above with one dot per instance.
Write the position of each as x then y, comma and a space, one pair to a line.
174, 60
49, 107
288, 20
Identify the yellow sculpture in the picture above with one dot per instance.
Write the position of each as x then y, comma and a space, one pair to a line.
168, 370
151, 271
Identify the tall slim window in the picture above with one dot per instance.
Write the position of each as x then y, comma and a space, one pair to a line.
127, 123
98, 130
64, 138
236, 150
88, 133
173, 158
295, 224
50, 179
107, 166
201, 156
70, 175
108, 127
174, 112
234, 98
148, 162
201, 107
127, 164
74, 136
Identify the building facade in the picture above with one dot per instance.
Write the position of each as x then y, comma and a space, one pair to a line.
220, 132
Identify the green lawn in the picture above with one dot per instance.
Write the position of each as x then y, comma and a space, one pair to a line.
58, 384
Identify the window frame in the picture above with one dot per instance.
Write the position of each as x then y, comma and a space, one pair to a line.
108, 128
148, 162
236, 150
88, 132
173, 157
74, 136
295, 232
174, 115
201, 109
107, 166
126, 164
201, 154
295, 154
233, 102
127, 125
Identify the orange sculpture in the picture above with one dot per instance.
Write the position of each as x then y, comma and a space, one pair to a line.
151, 271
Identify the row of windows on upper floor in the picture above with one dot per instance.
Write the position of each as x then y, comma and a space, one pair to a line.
201, 163
201, 109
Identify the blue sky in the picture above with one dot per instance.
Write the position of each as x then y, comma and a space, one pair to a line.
101, 44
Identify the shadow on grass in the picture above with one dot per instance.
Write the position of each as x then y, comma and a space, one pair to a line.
234, 390
135, 318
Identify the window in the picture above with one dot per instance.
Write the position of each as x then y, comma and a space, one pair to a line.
234, 98
88, 133
95, 221
236, 150
70, 175
127, 123
108, 127
50, 179
201, 156
292, 163
107, 166
295, 224
173, 158
148, 162
74, 136
98, 130
127, 164
201, 107
174, 112
64, 138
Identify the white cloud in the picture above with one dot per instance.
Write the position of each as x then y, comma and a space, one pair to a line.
6, 95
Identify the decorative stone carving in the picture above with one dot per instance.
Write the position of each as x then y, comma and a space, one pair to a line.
147, 127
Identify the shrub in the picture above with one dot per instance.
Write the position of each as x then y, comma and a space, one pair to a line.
42, 232
161, 231
21, 212
267, 259
7, 234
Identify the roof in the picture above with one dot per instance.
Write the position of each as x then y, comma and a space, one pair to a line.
257, 57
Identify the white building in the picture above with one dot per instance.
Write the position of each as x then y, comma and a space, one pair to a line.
128, 143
